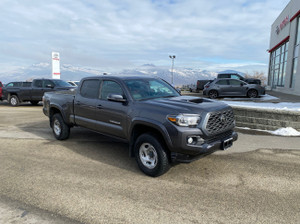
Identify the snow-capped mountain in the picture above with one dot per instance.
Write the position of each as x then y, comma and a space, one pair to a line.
182, 76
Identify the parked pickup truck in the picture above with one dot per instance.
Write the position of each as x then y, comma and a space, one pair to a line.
160, 125
17, 92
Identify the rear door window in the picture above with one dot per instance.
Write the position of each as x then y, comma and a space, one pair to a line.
38, 83
235, 82
222, 82
90, 88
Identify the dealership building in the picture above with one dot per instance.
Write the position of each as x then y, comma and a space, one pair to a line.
284, 64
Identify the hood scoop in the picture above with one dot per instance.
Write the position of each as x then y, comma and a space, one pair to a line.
190, 99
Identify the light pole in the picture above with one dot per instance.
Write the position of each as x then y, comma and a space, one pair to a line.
172, 57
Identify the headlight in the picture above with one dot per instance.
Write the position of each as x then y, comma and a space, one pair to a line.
185, 120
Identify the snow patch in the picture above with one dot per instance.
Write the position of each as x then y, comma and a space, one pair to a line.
288, 131
285, 132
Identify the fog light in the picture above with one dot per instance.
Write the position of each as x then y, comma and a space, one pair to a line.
190, 140
195, 140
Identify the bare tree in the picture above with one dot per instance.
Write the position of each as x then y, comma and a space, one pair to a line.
257, 75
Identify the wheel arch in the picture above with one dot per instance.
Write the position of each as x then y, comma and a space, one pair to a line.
142, 127
54, 110
252, 89
211, 90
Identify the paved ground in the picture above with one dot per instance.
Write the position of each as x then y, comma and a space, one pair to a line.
89, 178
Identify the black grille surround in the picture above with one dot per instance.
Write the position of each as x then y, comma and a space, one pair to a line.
219, 122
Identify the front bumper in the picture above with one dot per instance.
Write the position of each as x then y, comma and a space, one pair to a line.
188, 153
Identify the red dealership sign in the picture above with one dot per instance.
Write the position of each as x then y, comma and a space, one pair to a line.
282, 24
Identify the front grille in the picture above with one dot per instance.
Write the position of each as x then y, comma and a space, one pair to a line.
222, 136
219, 122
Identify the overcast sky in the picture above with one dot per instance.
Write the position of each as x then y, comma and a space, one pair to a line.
116, 34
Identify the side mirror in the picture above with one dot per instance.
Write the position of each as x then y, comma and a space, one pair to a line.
116, 98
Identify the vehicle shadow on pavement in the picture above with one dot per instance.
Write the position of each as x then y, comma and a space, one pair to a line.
88, 144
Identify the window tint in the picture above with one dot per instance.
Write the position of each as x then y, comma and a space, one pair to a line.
48, 83
110, 87
235, 77
61, 83
142, 89
90, 88
222, 76
26, 84
222, 82
10, 84
235, 82
38, 83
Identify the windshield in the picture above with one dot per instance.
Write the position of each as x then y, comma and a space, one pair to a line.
61, 83
142, 89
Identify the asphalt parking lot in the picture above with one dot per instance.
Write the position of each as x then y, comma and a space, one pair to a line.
90, 178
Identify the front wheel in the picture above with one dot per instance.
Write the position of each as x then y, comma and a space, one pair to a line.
252, 93
60, 129
151, 156
14, 101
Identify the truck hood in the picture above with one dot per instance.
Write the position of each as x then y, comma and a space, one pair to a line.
187, 104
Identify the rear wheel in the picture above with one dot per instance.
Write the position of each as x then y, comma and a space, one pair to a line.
252, 93
213, 94
14, 101
60, 129
151, 156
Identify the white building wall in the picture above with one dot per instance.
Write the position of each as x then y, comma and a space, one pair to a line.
289, 30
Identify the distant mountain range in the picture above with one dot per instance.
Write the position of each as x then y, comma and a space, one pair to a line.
182, 76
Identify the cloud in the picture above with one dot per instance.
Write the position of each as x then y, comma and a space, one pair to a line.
122, 33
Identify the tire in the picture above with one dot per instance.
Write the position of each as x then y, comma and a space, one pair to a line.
213, 94
34, 102
252, 93
60, 129
151, 156
14, 101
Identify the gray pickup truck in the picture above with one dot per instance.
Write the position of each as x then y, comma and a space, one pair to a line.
160, 125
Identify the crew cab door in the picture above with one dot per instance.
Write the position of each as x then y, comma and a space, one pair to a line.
37, 90
85, 103
111, 116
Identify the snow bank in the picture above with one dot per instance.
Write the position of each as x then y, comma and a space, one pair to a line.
289, 131
285, 132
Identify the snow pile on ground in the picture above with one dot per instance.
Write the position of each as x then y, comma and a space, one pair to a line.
260, 99
285, 132
281, 131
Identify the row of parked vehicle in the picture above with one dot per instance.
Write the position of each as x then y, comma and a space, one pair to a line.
18, 92
231, 84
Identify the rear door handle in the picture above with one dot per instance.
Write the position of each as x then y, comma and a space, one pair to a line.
99, 106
